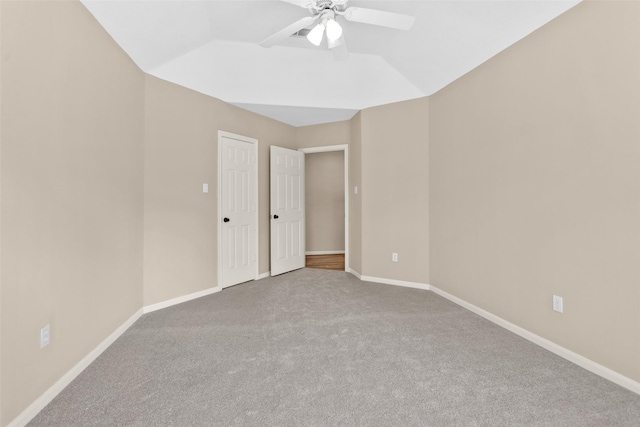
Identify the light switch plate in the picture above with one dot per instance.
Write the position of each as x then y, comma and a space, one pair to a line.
45, 336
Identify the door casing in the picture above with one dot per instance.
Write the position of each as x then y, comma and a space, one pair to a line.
345, 148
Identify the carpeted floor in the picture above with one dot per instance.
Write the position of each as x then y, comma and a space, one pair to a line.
321, 348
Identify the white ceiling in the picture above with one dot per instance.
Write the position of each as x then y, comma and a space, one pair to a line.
211, 46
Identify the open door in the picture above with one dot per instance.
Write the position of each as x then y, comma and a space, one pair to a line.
287, 210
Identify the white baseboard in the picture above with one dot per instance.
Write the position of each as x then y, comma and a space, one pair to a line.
569, 355
355, 273
263, 275
38, 405
32, 410
324, 253
179, 300
393, 282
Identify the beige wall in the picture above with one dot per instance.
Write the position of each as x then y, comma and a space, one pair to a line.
395, 192
325, 210
336, 133
72, 182
1, 97
181, 153
1, 423
535, 184
518, 181
355, 200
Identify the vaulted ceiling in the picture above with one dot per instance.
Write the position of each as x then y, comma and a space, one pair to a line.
211, 46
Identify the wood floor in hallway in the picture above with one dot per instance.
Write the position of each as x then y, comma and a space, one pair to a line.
326, 262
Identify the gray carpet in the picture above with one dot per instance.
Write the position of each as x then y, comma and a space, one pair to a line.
321, 348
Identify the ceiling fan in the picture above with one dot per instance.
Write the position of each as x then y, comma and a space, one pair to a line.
323, 20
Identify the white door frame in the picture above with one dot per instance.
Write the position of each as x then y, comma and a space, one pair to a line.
345, 148
255, 221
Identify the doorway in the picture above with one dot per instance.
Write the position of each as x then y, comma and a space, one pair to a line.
327, 202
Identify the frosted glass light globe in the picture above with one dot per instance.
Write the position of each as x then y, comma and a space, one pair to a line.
334, 30
315, 35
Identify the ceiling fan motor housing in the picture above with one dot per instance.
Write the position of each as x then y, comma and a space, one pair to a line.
323, 19
321, 5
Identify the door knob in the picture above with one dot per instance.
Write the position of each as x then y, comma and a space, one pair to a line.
226, 220
276, 217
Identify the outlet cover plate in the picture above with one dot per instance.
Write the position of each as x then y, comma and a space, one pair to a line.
558, 304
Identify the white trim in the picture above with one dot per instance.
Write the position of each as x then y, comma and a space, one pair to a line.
38, 405
324, 148
355, 273
263, 275
394, 282
179, 300
567, 354
256, 220
345, 148
324, 253
346, 206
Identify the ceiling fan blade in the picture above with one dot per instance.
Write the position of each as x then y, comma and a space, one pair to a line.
339, 49
302, 3
288, 30
379, 17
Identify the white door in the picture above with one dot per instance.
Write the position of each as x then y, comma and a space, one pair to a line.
287, 210
238, 210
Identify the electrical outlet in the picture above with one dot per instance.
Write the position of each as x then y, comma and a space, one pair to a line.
45, 336
394, 257
557, 304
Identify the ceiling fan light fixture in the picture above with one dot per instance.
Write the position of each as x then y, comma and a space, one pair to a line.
334, 30
316, 34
